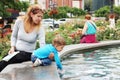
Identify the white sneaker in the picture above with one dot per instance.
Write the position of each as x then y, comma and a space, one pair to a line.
37, 62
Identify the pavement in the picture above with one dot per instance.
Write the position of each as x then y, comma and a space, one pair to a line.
25, 71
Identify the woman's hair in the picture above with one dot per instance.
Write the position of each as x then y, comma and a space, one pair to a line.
35, 9
58, 40
88, 17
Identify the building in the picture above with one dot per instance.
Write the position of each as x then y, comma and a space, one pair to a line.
46, 4
96, 4
70, 3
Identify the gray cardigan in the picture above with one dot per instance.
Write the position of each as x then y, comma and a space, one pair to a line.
26, 41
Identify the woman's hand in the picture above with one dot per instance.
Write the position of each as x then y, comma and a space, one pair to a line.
12, 49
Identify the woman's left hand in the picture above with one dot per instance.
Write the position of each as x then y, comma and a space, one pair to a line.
12, 49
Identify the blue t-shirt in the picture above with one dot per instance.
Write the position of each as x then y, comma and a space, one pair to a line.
45, 51
91, 28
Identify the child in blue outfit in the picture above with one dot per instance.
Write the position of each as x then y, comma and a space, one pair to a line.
43, 56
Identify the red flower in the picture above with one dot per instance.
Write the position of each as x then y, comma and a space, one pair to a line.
53, 11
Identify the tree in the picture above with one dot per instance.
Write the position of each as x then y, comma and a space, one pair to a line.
13, 5
88, 5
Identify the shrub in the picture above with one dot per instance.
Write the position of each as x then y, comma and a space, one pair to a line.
4, 46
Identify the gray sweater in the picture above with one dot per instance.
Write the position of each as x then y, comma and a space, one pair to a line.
26, 41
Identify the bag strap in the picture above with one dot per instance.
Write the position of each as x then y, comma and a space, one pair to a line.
93, 25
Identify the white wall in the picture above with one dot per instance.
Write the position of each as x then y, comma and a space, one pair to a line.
77, 4
117, 2
83, 4
42, 3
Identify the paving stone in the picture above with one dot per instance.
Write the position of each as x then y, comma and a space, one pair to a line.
25, 71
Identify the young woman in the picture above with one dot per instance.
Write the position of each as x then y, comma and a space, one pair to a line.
27, 29
89, 31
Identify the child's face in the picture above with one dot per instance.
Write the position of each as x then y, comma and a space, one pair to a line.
59, 48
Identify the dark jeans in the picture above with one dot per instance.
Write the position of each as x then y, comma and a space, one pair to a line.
45, 61
18, 58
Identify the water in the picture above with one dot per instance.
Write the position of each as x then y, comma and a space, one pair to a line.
100, 64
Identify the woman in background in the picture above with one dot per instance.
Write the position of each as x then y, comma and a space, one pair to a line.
89, 31
112, 21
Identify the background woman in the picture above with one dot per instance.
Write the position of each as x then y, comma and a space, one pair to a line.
112, 21
89, 31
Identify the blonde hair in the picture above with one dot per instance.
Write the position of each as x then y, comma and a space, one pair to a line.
88, 17
35, 9
58, 40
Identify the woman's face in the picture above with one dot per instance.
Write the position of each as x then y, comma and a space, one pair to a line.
37, 17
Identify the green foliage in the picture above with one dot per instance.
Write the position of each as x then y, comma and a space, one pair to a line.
68, 31
22, 6
49, 37
108, 34
62, 12
12, 4
3, 12
4, 46
101, 23
88, 5
46, 14
78, 12
102, 12
105, 12
117, 10
78, 26
118, 23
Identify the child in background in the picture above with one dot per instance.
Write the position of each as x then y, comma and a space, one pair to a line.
43, 56
112, 21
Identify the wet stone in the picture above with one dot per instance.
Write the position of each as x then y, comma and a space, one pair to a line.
25, 71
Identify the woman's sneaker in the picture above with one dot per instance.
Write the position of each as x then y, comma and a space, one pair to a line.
37, 63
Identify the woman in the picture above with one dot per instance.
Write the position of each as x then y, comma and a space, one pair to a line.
112, 21
26, 31
89, 31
